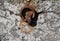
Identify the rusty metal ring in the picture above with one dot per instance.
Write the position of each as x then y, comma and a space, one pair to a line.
26, 6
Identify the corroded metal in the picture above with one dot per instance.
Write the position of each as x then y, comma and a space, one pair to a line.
23, 24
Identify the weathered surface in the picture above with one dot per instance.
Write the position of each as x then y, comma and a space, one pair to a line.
48, 24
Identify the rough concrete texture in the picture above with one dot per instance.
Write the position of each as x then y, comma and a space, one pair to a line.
48, 24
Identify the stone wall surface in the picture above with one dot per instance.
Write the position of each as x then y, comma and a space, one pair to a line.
48, 23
